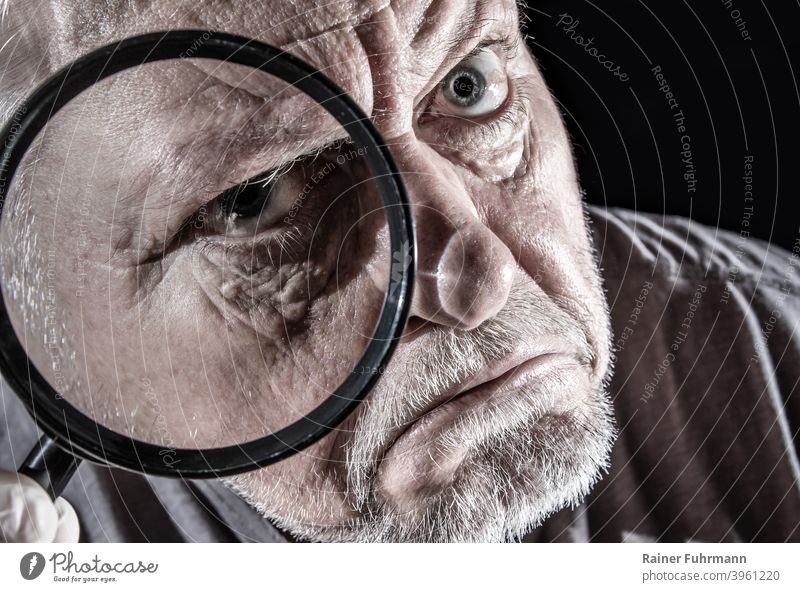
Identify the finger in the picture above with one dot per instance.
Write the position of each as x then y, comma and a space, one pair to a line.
27, 514
68, 529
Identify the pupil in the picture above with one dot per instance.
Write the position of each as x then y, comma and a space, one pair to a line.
464, 86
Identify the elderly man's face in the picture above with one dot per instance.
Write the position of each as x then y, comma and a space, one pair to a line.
491, 414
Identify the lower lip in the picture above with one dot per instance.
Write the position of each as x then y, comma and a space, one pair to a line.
438, 418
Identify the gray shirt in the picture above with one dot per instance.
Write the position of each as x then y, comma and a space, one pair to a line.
705, 392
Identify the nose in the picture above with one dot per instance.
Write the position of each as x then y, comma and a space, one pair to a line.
464, 271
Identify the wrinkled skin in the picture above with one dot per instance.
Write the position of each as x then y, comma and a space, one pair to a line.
185, 338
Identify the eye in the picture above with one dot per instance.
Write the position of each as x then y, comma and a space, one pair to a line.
246, 201
476, 87
250, 207
289, 197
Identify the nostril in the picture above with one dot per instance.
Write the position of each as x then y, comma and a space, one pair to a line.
475, 276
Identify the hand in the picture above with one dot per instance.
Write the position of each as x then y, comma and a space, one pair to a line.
28, 515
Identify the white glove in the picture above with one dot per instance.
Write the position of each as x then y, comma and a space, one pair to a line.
28, 515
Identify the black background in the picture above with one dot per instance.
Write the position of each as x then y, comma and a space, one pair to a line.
739, 98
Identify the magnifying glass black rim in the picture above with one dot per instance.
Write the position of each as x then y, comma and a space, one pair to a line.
84, 437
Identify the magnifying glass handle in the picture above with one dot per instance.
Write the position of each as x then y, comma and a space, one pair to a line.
50, 466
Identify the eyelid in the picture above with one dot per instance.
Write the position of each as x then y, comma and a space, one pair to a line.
508, 44
280, 235
284, 167
493, 130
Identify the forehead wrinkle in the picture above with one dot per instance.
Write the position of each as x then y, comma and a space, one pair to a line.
428, 27
77, 28
350, 22
458, 39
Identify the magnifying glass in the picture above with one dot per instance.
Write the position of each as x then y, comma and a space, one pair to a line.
211, 262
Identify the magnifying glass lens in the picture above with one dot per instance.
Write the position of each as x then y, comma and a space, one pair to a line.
199, 254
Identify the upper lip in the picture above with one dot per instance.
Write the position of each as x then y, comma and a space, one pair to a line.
496, 368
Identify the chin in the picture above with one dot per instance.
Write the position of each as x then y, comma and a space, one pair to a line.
497, 471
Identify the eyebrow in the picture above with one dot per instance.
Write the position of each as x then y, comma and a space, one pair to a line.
259, 140
338, 143
287, 156
468, 27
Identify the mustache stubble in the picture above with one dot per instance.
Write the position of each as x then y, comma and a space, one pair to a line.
439, 360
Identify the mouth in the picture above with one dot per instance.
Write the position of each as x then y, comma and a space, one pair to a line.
498, 379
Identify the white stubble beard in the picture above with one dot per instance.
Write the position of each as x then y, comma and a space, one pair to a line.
519, 461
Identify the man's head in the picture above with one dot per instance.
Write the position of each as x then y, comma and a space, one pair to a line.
492, 413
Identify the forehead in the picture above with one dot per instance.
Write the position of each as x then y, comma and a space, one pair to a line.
282, 21
384, 53
278, 21
378, 25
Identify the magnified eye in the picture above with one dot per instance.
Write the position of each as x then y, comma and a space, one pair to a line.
246, 201
476, 87
252, 206
265, 202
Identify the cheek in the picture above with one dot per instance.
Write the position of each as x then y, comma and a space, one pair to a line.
539, 215
494, 164
217, 382
267, 298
